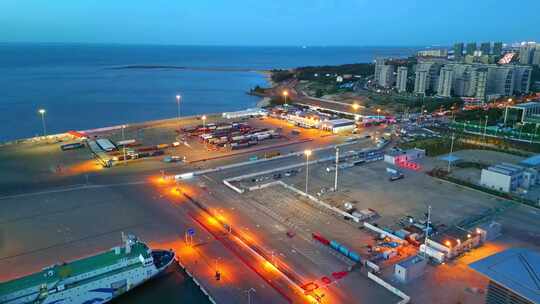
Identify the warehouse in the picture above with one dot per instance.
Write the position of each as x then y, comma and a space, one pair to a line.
338, 125
245, 113
513, 276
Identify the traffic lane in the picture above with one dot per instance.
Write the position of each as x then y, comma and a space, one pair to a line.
285, 161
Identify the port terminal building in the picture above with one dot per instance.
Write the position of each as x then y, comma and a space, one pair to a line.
514, 276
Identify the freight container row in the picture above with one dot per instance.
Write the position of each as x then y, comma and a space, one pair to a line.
338, 247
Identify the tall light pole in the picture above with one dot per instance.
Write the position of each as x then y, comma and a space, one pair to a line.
428, 226
485, 128
124, 145
337, 162
285, 95
307, 153
204, 123
451, 150
178, 98
249, 291
42, 112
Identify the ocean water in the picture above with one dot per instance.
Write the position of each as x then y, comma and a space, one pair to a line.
84, 86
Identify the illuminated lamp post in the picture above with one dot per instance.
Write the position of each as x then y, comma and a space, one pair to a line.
42, 112
307, 153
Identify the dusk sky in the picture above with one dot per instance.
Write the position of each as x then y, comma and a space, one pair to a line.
265, 22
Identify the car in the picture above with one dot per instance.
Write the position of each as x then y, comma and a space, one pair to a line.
396, 177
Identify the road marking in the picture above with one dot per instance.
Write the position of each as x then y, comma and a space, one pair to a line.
72, 188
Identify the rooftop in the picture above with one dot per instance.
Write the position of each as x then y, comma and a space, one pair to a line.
526, 105
517, 269
532, 161
415, 259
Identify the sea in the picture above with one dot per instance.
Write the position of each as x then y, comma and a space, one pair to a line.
85, 86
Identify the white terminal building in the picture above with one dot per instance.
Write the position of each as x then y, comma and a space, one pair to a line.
338, 125
509, 178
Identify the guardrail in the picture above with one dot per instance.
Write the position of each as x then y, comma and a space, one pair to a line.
404, 298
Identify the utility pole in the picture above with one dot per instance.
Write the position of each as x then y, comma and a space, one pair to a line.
337, 167
428, 225
451, 150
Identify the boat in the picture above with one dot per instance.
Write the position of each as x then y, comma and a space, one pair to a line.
95, 279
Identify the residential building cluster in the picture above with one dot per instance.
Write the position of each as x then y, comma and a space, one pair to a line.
472, 73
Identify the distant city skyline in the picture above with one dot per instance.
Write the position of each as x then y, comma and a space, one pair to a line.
267, 23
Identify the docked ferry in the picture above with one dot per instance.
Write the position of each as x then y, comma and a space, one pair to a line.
95, 279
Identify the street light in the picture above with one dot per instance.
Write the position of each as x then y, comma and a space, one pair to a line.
355, 106
307, 153
178, 98
124, 145
378, 111
42, 112
285, 94
204, 123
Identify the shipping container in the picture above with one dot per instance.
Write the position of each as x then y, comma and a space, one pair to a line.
354, 256
126, 142
72, 146
335, 245
344, 250
320, 238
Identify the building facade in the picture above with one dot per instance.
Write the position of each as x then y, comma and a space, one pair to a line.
401, 81
458, 50
445, 82
497, 49
485, 48
471, 48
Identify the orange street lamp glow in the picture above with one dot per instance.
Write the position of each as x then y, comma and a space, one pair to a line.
355, 106
447, 243
307, 153
285, 93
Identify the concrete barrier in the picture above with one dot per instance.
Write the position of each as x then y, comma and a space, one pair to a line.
233, 187
380, 231
404, 298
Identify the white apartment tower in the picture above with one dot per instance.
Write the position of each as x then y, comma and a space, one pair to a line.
401, 83
446, 80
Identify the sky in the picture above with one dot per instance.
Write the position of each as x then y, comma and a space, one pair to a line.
270, 22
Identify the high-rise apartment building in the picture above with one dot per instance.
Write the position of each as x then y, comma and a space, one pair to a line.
485, 48
497, 48
500, 80
421, 81
386, 76
458, 50
401, 82
471, 48
445, 82
526, 53
522, 78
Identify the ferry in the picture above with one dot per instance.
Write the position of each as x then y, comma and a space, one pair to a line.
95, 279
